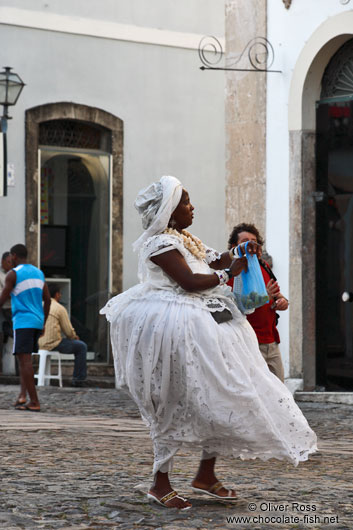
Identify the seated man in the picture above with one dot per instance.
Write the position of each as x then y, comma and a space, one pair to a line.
58, 322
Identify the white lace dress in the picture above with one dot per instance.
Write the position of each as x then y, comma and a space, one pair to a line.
197, 382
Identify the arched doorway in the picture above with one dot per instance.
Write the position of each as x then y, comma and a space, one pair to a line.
74, 210
334, 223
305, 90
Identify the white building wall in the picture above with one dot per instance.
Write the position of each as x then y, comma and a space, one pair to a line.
173, 113
173, 15
288, 31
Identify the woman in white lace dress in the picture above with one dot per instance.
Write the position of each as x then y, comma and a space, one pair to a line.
197, 382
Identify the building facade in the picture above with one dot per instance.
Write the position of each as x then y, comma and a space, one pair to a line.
114, 99
297, 184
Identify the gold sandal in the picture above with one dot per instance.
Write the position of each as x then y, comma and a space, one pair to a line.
169, 496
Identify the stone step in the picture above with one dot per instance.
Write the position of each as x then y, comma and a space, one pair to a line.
344, 398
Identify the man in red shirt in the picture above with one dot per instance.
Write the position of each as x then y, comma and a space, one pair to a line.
264, 318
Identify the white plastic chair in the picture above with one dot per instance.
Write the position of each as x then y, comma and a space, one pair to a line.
44, 372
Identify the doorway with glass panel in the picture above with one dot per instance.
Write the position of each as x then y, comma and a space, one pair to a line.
75, 236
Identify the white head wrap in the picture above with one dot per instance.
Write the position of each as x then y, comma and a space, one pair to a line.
155, 204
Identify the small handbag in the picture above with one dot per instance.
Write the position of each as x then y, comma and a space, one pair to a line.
222, 316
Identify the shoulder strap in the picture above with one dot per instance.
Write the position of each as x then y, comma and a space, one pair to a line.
267, 269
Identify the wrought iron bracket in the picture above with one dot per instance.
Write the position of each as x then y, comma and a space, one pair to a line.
259, 51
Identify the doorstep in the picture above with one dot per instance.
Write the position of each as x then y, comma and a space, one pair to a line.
344, 398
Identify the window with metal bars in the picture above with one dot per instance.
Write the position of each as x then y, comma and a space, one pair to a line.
74, 134
338, 76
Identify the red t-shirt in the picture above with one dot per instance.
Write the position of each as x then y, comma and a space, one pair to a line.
263, 319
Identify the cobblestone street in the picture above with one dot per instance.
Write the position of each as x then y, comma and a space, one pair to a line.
85, 462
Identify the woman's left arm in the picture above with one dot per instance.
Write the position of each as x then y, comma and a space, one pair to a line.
223, 262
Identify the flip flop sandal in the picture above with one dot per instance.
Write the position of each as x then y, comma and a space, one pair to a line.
20, 403
26, 407
212, 492
163, 500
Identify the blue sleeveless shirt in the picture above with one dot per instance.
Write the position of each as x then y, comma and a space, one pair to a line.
27, 296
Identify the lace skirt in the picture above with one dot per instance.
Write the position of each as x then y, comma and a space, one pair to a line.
203, 384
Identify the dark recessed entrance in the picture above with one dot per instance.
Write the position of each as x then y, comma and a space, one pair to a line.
334, 224
75, 222
75, 237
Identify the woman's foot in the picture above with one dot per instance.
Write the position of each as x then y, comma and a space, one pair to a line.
207, 482
162, 493
170, 499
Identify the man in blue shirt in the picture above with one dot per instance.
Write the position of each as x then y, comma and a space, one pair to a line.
26, 285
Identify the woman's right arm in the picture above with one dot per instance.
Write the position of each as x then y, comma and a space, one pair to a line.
173, 264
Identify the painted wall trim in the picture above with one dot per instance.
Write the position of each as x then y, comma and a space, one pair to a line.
99, 28
338, 26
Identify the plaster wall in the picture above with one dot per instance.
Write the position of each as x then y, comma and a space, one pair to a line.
173, 113
198, 16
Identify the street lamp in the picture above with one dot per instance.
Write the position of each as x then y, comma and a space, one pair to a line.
11, 86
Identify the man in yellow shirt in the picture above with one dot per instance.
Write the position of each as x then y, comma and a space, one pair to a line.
58, 323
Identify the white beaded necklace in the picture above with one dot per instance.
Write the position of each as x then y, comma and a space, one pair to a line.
192, 243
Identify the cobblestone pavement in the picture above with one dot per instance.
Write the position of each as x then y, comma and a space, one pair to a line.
85, 462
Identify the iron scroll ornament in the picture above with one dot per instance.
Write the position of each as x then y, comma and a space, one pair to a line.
259, 50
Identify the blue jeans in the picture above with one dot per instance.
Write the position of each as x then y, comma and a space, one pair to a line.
79, 349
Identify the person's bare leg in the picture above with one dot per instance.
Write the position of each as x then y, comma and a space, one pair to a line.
161, 487
27, 379
206, 478
22, 397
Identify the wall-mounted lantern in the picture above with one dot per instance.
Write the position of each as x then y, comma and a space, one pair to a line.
11, 86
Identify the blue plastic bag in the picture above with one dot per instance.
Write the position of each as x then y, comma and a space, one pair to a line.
249, 287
